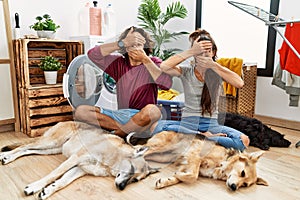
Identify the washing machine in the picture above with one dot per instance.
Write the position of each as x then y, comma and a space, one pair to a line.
86, 84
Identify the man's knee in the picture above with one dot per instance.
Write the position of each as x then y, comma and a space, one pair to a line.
78, 111
81, 111
150, 113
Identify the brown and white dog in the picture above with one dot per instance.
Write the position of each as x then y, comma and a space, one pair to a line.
195, 157
89, 150
93, 151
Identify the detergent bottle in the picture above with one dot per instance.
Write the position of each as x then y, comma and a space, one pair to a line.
90, 20
110, 26
95, 19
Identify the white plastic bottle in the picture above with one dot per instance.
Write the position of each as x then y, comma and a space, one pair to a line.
84, 20
110, 26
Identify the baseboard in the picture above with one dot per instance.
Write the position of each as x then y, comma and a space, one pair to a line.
7, 125
295, 125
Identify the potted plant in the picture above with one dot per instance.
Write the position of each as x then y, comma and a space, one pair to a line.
45, 27
50, 66
154, 20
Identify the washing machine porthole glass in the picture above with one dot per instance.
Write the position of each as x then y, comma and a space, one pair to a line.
83, 81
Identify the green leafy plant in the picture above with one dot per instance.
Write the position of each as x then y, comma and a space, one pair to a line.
49, 63
154, 20
44, 23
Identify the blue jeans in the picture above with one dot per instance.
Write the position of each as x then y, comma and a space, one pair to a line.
194, 124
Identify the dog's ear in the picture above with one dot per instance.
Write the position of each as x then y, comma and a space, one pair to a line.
140, 151
261, 181
254, 156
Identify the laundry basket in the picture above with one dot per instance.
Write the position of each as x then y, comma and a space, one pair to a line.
171, 109
244, 102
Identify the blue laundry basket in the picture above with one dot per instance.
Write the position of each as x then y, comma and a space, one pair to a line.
171, 109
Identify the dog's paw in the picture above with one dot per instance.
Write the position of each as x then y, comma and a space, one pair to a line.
28, 191
47, 191
5, 158
1, 156
31, 189
159, 183
164, 182
218, 173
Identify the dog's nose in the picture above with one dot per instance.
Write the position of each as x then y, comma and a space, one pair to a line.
122, 185
233, 187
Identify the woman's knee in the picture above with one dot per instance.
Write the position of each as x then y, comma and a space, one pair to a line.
164, 125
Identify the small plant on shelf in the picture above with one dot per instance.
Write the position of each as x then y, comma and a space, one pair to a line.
45, 27
49, 63
50, 66
44, 23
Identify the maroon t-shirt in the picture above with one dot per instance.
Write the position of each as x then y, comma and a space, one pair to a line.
135, 86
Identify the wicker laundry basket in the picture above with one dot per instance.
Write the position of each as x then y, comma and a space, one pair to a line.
244, 102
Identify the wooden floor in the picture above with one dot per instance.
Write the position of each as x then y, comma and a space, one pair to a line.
279, 166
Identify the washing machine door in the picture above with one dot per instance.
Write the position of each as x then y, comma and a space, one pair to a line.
83, 81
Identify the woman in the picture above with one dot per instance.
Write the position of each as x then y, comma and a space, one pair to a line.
202, 84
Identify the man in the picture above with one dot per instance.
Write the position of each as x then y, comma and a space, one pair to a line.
137, 77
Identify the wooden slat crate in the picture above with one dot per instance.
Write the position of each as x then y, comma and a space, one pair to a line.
42, 106
244, 102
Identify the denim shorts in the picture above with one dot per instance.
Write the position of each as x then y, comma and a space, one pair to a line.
122, 116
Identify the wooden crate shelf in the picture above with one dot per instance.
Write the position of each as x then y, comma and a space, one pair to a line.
40, 105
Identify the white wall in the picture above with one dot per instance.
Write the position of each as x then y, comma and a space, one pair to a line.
237, 34
271, 101
66, 14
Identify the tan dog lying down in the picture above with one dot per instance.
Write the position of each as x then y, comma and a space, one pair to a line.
89, 150
196, 157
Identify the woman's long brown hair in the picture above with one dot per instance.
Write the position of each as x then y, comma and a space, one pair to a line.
212, 81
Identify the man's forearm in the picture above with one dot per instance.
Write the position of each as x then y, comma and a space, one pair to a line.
109, 48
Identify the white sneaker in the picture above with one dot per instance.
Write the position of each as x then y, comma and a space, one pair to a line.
129, 139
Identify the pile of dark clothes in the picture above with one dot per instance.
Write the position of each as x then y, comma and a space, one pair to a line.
260, 135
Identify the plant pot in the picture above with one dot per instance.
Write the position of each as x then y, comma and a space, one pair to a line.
50, 77
46, 34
